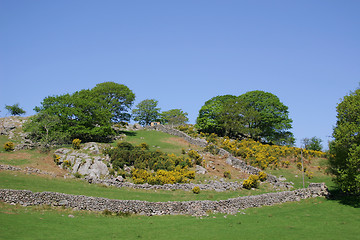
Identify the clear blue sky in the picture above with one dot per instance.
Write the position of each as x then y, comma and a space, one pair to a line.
182, 53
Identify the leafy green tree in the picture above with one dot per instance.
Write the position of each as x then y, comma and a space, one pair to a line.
210, 113
174, 117
313, 143
83, 115
239, 121
273, 120
15, 110
345, 149
45, 128
119, 99
146, 112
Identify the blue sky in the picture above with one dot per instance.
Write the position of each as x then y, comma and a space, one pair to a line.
182, 53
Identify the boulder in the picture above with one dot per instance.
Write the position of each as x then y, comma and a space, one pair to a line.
200, 170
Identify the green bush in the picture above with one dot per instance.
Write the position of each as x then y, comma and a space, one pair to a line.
112, 172
140, 157
299, 165
9, 146
144, 146
196, 190
76, 143
77, 175
66, 164
227, 174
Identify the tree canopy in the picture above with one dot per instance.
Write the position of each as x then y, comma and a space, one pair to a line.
259, 115
345, 149
313, 143
174, 117
146, 112
15, 110
86, 114
209, 114
273, 121
119, 98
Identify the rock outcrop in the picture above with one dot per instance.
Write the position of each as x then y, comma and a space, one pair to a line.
86, 161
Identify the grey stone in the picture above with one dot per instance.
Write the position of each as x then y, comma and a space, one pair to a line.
200, 170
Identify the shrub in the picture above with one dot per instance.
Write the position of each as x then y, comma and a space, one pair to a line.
227, 174
262, 176
76, 143
196, 190
251, 182
9, 146
285, 163
247, 184
144, 146
77, 175
211, 148
56, 159
309, 174
299, 165
194, 155
66, 164
112, 172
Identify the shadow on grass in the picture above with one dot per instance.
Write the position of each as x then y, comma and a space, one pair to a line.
127, 133
343, 198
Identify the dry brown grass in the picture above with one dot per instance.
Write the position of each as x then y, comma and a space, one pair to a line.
221, 166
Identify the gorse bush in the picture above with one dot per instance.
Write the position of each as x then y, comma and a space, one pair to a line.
196, 190
251, 182
76, 143
56, 159
196, 157
262, 176
160, 177
9, 146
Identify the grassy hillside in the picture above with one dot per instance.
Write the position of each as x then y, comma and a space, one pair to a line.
158, 140
308, 219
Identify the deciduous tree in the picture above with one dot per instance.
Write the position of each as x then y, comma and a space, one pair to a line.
313, 143
146, 112
345, 149
15, 110
174, 117
118, 98
210, 113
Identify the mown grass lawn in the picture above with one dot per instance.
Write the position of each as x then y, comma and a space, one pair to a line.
308, 219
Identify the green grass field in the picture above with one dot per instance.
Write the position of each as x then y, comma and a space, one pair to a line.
308, 219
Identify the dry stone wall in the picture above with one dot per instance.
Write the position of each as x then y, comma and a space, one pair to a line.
219, 186
197, 208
